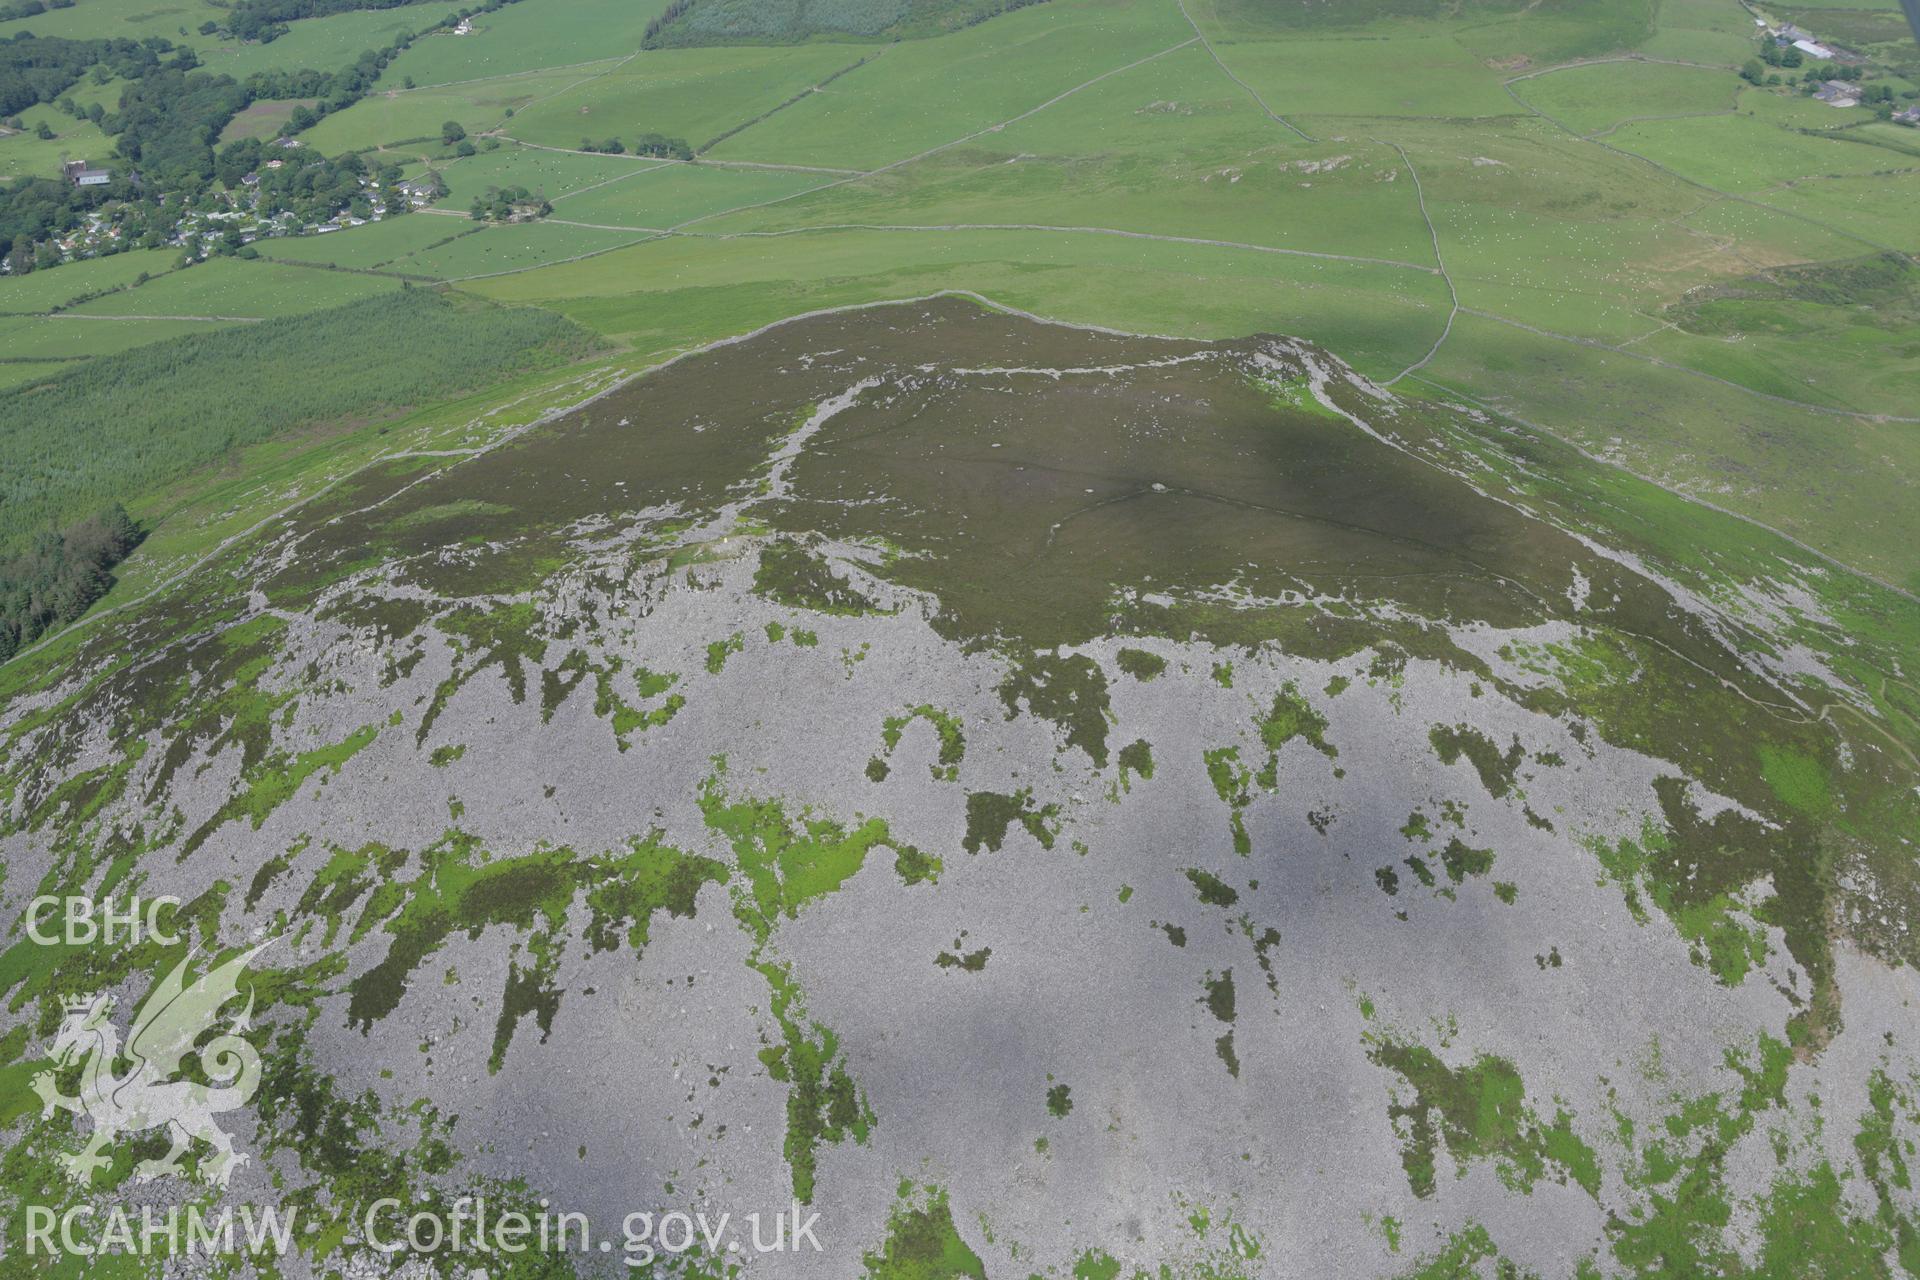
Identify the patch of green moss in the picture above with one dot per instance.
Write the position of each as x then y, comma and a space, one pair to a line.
278, 779
719, 651
1233, 783
824, 1105
1496, 768
1461, 860
509, 637
790, 574
1292, 716
968, 961
1797, 779
1136, 758
922, 1243
1718, 937
1477, 1112
791, 860
1068, 689
1219, 996
952, 735
989, 814
1139, 663
1212, 890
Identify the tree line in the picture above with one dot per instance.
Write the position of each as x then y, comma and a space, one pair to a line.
267, 20
16, 10
657, 145
61, 574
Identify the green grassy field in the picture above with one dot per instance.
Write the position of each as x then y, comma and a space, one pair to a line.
128, 19
1159, 150
65, 337
414, 116
233, 287
324, 44
527, 35
923, 94
42, 291
368, 247
1700, 31
519, 247
696, 94
13, 372
1595, 99
676, 193
1839, 483
671, 294
552, 174
152, 417
263, 119
25, 155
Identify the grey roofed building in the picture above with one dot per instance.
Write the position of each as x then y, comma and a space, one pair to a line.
80, 175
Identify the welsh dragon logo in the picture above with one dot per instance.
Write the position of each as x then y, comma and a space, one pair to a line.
165, 1031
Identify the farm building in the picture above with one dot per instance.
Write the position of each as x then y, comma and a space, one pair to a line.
80, 175
1839, 93
1813, 49
1910, 116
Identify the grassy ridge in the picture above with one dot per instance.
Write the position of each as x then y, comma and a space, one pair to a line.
132, 422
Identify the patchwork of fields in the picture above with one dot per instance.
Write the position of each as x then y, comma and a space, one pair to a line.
1578, 174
